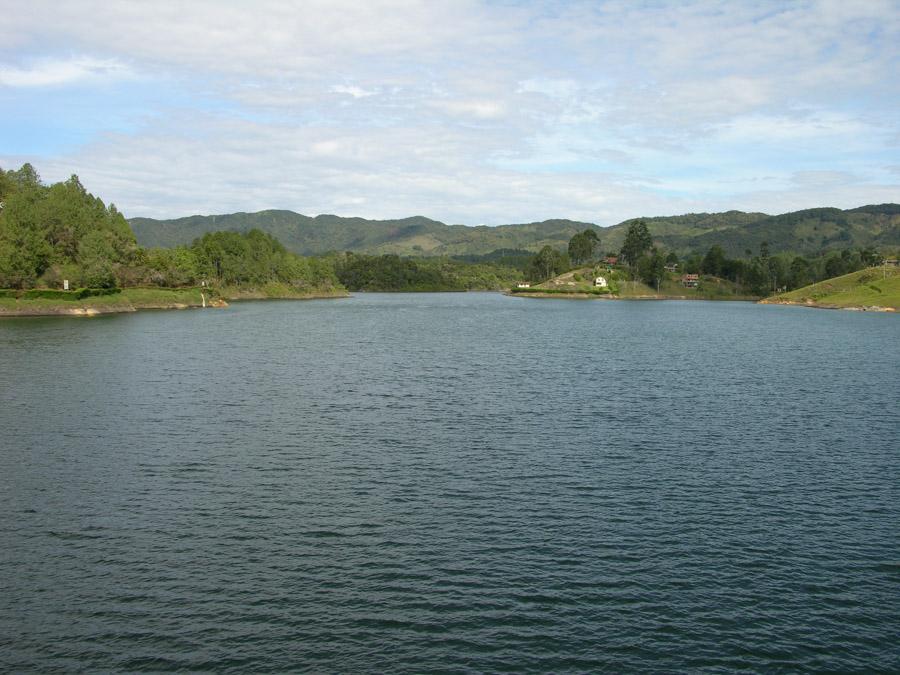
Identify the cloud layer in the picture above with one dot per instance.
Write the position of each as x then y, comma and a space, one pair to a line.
462, 111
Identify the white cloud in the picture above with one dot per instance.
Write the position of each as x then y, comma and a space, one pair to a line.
801, 126
475, 111
53, 72
480, 109
554, 88
355, 92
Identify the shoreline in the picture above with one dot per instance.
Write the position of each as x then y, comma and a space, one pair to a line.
597, 296
814, 305
130, 300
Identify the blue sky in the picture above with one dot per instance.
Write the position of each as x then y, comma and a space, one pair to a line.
467, 112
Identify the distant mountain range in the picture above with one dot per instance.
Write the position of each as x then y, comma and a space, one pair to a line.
808, 231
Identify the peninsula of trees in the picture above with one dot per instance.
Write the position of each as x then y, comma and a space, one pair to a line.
642, 268
53, 236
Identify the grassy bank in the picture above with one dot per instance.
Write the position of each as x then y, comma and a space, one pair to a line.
124, 300
873, 288
77, 303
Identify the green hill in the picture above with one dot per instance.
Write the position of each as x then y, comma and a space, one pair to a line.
869, 288
807, 232
416, 236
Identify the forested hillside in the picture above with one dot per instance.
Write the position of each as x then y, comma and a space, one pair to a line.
49, 234
60, 231
807, 232
416, 236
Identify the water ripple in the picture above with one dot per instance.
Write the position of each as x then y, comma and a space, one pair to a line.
466, 483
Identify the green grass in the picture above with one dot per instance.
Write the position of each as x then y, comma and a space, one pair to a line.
116, 300
872, 287
124, 300
130, 299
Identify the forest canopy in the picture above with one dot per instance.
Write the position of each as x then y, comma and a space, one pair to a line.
62, 232
48, 233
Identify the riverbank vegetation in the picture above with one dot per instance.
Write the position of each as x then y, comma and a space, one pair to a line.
60, 237
642, 268
114, 300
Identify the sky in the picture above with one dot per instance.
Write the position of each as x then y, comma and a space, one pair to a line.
466, 112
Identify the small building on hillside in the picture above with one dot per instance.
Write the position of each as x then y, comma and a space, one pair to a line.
611, 260
523, 284
891, 262
672, 267
600, 282
690, 280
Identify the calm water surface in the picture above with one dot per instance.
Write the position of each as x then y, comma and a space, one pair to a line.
465, 483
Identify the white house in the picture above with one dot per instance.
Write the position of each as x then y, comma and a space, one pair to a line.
523, 284
600, 282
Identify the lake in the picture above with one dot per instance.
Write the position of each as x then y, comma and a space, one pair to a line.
455, 482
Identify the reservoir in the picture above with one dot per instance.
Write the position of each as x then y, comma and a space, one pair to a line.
458, 482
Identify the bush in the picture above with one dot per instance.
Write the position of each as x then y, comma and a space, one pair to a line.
48, 294
96, 292
56, 294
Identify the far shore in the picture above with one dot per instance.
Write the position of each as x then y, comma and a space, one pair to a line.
763, 301
610, 296
139, 299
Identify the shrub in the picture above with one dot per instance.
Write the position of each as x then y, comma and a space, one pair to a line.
48, 294
96, 292
56, 294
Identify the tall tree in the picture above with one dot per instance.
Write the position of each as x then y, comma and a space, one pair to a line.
637, 241
583, 247
652, 268
714, 261
546, 263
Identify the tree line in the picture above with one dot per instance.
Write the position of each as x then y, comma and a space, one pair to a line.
57, 232
359, 272
763, 273
61, 231
758, 273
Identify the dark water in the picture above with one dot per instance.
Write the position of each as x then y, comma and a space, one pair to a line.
462, 483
